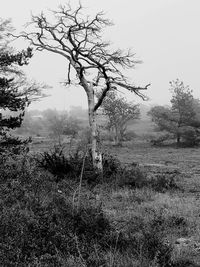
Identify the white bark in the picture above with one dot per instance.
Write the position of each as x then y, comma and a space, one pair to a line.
96, 153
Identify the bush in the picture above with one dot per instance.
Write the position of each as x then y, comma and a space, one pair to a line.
137, 177
111, 166
69, 167
133, 177
63, 167
190, 135
163, 182
55, 162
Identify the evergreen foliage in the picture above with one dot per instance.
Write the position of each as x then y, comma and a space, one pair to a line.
15, 92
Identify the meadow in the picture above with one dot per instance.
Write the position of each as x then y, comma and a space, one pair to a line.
173, 202
143, 212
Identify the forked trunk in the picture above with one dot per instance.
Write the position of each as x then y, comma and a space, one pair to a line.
96, 153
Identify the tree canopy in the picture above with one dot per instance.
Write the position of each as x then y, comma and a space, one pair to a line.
92, 63
16, 92
182, 118
119, 112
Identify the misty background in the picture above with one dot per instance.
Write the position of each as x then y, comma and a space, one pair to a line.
164, 35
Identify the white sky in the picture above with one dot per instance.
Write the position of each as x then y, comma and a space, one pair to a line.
164, 34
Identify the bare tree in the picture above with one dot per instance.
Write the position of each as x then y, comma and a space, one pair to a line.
78, 38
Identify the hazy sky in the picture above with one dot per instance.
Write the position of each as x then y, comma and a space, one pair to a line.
164, 34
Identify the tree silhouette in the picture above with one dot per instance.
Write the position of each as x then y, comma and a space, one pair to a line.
91, 61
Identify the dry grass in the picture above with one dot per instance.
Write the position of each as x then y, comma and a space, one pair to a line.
123, 205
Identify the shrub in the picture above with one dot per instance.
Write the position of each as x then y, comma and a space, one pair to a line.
137, 177
69, 167
55, 162
190, 135
134, 177
164, 181
111, 166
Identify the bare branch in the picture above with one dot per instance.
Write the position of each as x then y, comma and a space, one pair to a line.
78, 38
133, 89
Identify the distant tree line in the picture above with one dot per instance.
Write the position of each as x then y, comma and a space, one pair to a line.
116, 110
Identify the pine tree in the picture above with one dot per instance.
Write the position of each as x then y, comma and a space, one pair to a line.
14, 92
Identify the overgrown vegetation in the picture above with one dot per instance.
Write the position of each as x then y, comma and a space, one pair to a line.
41, 226
64, 166
50, 225
60, 207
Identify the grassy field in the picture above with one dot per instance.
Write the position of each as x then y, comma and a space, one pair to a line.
184, 160
178, 210
184, 202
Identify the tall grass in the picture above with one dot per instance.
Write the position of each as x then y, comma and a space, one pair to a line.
44, 223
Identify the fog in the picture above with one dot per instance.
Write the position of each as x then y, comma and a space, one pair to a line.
163, 34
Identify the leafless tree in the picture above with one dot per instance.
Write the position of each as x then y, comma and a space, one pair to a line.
78, 38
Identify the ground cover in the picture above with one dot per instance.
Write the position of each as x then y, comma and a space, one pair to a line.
146, 213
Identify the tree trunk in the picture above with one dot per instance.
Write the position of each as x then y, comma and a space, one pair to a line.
96, 154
